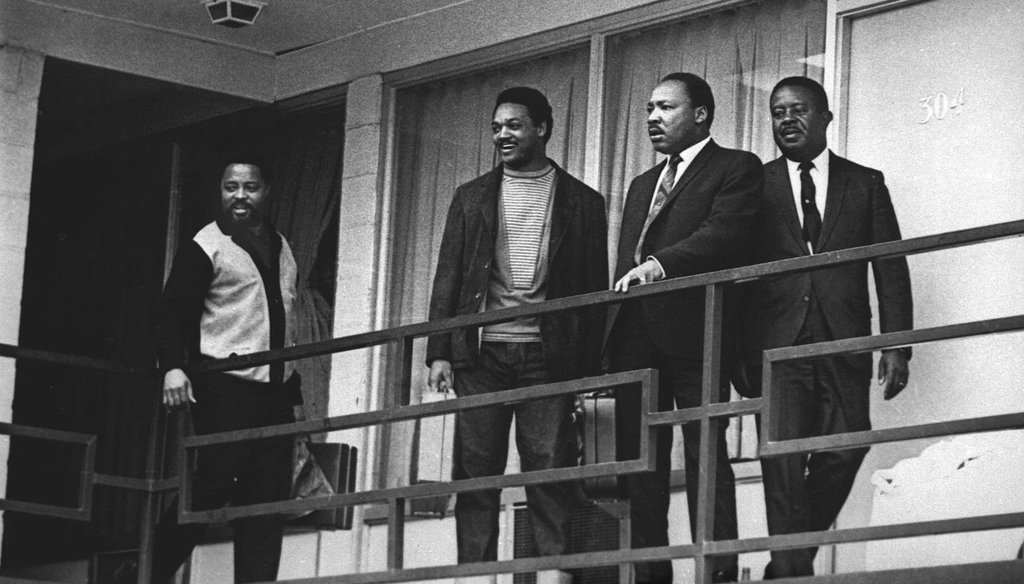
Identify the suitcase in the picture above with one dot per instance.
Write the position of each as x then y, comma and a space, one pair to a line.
597, 425
435, 443
338, 462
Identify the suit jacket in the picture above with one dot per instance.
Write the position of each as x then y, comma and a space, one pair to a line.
577, 264
858, 212
704, 226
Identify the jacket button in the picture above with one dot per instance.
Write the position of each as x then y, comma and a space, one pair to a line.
807, 298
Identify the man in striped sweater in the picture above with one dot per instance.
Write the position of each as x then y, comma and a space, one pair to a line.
521, 234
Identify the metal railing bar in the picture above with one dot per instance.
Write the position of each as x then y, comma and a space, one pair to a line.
873, 533
1002, 572
56, 511
719, 410
396, 534
368, 339
135, 484
742, 274
9, 580
522, 565
87, 443
46, 434
418, 491
965, 330
626, 379
86, 485
16, 352
871, 437
708, 455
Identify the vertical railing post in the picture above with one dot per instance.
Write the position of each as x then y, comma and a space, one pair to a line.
396, 534
711, 382
147, 523
399, 395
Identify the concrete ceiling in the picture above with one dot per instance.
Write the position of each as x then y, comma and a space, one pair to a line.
283, 25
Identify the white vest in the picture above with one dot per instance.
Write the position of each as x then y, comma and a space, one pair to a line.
236, 317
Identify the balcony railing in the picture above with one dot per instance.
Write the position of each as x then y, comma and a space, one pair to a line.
710, 414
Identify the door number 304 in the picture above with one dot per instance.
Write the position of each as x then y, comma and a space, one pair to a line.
938, 105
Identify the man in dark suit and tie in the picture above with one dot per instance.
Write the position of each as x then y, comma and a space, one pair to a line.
815, 202
690, 214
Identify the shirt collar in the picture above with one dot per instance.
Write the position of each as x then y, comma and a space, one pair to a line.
690, 153
820, 163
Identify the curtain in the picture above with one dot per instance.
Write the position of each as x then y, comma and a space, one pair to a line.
741, 53
303, 205
444, 140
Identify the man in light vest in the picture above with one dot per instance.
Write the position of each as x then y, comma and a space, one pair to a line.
231, 291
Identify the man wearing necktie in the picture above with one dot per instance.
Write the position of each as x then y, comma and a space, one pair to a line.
816, 202
690, 214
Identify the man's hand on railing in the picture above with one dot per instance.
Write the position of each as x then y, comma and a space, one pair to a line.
893, 372
649, 271
177, 390
441, 377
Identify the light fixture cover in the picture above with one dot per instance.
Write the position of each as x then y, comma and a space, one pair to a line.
233, 13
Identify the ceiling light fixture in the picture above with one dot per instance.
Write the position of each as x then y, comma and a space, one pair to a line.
233, 13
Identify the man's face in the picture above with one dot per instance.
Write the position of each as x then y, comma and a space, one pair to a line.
519, 141
672, 121
798, 123
242, 193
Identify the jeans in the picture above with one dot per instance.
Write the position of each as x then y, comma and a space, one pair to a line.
545, 437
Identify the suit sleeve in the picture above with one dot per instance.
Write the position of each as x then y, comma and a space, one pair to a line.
892, 276
181, 307
444, 297
596, 230
721, 238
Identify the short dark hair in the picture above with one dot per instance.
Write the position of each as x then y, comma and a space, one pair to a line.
535, 103
252, 157
698, 90
817, 91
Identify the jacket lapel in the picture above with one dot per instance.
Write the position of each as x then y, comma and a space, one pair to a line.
563, 208
836, 194
691, 171
634, 213
488, 201
779, 187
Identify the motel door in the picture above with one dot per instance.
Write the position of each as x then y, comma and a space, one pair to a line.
932, 94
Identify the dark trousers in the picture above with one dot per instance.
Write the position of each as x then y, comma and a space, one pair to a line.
545, 438
240, 473
679, 386
806, 492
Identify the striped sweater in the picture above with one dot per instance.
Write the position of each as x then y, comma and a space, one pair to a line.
519, 273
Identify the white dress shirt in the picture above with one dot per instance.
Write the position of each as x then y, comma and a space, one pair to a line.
687, 157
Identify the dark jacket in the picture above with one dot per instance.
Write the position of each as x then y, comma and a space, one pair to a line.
704, 226
858, 212
577, 264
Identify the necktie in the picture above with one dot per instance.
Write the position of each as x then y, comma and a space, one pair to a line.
664, 188
812, 219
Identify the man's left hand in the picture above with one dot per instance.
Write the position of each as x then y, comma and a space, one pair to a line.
893, 372
648, 271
